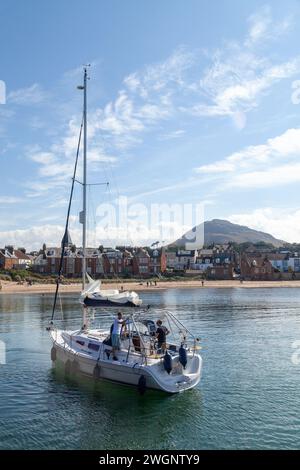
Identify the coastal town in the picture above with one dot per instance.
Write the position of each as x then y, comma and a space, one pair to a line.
229, 261
149, 232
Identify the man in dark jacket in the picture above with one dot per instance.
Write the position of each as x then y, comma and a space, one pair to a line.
161, 334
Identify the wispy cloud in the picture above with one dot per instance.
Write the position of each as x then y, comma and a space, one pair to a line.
262, 27
143, 102
55, 167
283, 223
162, 100
31, 95
164, 76
240, 74
152, 99
234, 80
172, 135
270, 164
119, 117
235, 93
10, 200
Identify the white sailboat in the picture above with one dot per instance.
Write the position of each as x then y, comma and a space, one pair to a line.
138, 359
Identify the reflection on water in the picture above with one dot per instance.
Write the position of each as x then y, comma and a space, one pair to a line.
248, 396
116, 416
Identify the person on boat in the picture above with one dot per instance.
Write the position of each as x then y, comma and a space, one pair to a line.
117, 326
161, 334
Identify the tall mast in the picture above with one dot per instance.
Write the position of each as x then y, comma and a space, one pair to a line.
84, 176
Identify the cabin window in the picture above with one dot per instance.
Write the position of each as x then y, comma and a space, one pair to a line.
93, 346
78, 341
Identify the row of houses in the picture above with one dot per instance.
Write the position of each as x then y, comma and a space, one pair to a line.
101, 263
218, 262
11, 258
202, 259
224, 262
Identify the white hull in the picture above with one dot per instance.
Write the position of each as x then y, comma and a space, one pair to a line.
126, 370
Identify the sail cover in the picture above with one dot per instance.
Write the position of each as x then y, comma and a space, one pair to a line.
92, 286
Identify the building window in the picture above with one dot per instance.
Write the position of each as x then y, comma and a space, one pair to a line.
143, 269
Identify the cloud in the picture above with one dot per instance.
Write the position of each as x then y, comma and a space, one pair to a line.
230, 85
165, 75
119, 117
146, 99
143, 102
259, 24
32, 238
28, 96
282, 223
228, 82
234, 85
135, 233
55, 167
240, 75
262, 27
271, 164
10, 200
172, 135
278, 176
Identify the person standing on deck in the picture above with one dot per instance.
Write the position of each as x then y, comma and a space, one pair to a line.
118, 324
161, 334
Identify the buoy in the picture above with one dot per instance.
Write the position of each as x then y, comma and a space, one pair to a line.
168, 362
53, 354
96, 371
142, 384
182, 356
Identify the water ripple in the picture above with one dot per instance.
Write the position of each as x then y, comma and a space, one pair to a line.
248, 397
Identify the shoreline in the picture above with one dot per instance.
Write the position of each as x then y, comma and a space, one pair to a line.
15, 288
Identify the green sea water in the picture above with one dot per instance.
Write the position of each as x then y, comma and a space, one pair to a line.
248, 397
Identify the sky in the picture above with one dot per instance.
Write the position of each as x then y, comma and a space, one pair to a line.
190, 104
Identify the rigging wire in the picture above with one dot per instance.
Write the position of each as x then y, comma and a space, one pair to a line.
67, 224
92, 216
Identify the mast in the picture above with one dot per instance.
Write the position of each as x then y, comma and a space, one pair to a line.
84, 177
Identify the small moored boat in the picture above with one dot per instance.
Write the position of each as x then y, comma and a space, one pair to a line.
94, 296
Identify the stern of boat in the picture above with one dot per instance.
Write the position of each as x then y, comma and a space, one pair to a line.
180, 378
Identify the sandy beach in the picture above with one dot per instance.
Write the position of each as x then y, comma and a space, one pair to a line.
15, 288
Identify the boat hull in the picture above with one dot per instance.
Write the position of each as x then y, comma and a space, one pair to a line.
128, 373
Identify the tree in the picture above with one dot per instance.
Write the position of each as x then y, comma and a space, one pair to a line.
44, 247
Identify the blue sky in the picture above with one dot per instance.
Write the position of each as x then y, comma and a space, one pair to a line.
189, 102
